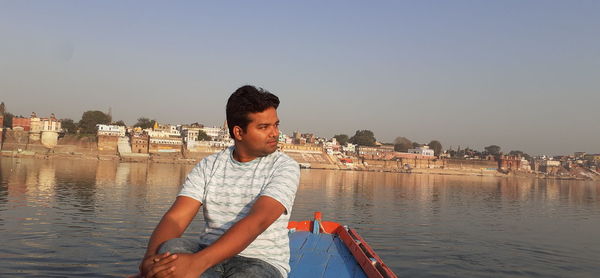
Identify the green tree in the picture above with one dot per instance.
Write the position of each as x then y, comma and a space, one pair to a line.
436, 146
68, 126
415, 145
144, 123
202, 136
89, 120
493, 149
363, 138
402, 144
120, 123
8, 117
341, 138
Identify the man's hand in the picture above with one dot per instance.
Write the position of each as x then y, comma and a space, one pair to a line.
172, 225
177, 265
149, 260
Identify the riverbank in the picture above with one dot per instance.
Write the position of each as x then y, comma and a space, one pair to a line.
194, 158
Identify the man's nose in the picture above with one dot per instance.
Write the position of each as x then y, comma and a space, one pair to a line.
275, 132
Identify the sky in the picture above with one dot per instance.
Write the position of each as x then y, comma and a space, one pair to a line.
523, 75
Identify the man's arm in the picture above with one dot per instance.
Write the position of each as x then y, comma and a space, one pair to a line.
174, 222
262, 214
172, 225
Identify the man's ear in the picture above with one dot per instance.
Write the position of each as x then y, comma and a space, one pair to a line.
237, 132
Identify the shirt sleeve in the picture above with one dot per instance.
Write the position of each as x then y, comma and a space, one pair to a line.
284, 184
195, 183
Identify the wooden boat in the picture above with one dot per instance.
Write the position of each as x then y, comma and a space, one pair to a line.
328, 249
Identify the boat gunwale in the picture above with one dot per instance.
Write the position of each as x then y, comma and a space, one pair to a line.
365, 256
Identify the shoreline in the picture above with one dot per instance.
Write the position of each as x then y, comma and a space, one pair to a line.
192, 161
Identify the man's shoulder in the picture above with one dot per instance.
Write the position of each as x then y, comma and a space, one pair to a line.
282, 160
210, 160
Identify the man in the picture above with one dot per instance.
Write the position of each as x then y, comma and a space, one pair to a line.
246, 193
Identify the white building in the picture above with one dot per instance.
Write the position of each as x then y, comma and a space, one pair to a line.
424, 151
190, 134
349, 148
51, 124
216, 133
110, 130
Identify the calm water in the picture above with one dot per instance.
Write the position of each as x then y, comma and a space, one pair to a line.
76, 218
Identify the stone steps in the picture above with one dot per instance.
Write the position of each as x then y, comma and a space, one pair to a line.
123, 145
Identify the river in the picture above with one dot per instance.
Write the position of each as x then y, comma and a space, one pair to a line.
93, 218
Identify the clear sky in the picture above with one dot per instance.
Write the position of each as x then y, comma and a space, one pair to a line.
524, 75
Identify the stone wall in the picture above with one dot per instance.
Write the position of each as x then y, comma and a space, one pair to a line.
15, 140
108, 144
164, 148
470, 164
70, 144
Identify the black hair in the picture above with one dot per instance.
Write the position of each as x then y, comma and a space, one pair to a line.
245, 100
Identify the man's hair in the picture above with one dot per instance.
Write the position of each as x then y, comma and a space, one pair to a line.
245, 100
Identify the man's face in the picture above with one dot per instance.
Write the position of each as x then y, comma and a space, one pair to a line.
262, 133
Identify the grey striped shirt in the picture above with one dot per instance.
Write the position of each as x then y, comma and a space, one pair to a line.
228, 188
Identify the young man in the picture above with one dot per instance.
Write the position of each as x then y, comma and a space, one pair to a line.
246, 193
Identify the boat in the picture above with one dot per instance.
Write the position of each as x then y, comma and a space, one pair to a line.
328, 249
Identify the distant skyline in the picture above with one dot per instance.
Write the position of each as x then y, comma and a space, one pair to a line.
524, 75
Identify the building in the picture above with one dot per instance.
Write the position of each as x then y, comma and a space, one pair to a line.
284, 138
378, 152
165, 144
513, 163
139, 142
50, 127
20, 123
310, 138
110, 130
300, 148
424, 151
592, 157
349, 148
51, 124
331, 147
164, 131
164, 139
217, 133
190, 133
579, 155
108, 137
550, 166
35, 129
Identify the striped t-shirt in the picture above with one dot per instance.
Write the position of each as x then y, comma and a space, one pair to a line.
227, 190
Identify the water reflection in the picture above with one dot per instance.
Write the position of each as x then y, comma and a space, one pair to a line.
81, 217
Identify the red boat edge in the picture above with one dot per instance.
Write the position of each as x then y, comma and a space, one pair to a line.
366, 257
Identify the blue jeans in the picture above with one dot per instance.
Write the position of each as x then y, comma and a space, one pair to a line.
235, 267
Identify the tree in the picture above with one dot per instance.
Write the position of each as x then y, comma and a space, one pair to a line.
493, 150
415, 145
402, 144
436, 146
120, 123
521, 154
144, 123
68, 126
341, 138
363, 138
89, 120
202, 136
8, 117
